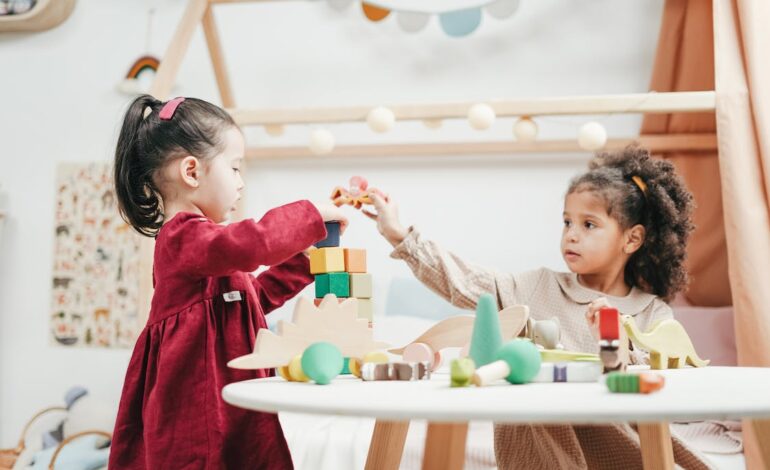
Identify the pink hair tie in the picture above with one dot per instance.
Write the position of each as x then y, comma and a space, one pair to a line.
168, 109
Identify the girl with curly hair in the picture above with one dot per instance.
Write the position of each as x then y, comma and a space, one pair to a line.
626, 224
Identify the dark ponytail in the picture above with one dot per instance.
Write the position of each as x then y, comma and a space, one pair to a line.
639, 189
146, 143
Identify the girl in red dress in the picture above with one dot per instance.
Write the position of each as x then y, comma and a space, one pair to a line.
176, 178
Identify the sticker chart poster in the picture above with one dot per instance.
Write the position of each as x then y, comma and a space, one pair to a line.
96, 263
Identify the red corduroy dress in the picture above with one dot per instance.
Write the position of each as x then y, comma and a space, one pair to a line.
206, 310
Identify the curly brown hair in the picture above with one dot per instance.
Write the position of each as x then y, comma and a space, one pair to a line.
664, 208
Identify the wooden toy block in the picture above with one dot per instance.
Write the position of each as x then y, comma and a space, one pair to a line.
361, 286
609, 324
667, 342
327, 260
355, 260
365, 309
332, 283
646, 382
613, 347
332, 235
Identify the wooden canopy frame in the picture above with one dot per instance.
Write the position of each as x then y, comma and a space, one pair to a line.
202, 12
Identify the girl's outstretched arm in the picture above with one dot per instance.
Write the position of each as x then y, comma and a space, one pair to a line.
206, 249
454, 279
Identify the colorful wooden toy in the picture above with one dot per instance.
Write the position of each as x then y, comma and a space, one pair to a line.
421, 352
332, 283
356, 195
545, 333
332, 235
296, 374
667, 342
376, 357
560, 355
517, 361
645, 382
395, 371
461, 372
569, 372
456, 331
487, 337
327, 260
361, 286
321, 362
332, 321
613, 354
355, 260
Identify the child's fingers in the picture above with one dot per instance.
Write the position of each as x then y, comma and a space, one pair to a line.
371, 215
379, 201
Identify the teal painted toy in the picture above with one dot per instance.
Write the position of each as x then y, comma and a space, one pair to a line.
462, 372
486, 338
321, 362
332, 283
517, 361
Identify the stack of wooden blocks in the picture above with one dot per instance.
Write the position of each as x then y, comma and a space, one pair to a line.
342, 272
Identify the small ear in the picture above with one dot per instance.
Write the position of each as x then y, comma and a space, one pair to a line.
634, 238
190, 168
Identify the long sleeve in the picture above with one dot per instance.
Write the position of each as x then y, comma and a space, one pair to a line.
448, 275
282, 282
205, 249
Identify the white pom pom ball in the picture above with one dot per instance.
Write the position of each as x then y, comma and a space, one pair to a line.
321, 142
481, 116
525, 130
381, 119
592, 136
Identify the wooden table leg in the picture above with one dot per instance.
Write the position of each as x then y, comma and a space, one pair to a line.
387, 445
762, 434
445, 446
657, 451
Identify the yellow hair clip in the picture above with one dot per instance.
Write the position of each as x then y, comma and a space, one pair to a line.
640, 183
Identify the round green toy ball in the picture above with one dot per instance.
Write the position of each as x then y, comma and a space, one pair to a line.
322, 362
523, 358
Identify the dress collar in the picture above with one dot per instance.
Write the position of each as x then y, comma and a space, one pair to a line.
636, 301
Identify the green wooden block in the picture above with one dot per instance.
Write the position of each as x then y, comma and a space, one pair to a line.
332, 283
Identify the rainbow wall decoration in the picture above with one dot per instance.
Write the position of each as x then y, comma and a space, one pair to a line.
140, 75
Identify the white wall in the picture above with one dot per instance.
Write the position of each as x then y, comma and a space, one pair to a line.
58, 104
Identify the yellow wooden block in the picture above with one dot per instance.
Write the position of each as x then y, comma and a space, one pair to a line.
365, 309
355, 260
327, 260
361, 286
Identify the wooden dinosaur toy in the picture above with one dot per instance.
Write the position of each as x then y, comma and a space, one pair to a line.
456, 332
667, 342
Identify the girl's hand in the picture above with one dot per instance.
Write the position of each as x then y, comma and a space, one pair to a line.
592, 315
331, 213
387, 219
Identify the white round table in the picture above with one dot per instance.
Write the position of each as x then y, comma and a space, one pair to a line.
689, 394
